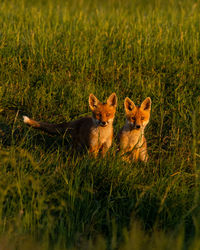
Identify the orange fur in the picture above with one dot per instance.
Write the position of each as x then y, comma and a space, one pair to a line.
132, 142
94, 132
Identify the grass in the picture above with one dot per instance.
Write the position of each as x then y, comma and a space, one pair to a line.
53, 54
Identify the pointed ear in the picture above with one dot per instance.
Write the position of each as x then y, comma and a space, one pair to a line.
93, 102
146, 104
128, 104
112, 100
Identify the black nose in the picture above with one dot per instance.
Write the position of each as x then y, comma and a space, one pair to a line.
103, 123
137, 126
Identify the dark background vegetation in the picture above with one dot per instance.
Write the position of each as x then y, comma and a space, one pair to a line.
53, 54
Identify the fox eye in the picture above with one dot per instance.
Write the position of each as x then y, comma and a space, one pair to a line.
108, 114
142, 118
133, 118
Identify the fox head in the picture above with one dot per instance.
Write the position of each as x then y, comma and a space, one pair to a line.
103, 113
137, 117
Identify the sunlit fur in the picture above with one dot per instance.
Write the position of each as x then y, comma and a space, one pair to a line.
95, 132
104, 114
132, 143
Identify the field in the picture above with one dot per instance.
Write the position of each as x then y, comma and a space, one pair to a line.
53, 54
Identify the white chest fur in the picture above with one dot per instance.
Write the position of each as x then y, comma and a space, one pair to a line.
100, 135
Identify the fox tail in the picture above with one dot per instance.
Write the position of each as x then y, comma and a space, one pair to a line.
54, 129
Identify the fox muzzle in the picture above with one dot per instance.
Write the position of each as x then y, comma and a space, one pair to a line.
134, 126
103, 124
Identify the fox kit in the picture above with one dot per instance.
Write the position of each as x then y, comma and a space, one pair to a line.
94, 132
131, 136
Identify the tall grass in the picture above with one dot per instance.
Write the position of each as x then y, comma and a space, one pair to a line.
53, 54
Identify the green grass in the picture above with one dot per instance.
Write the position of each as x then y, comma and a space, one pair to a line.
53, 54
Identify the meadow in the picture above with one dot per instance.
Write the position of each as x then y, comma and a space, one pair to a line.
53, 54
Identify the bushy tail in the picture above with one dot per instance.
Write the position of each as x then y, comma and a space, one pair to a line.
54, 129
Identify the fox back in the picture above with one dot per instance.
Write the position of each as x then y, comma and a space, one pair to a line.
131, 136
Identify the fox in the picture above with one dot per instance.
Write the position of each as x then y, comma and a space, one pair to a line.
132, 142
93, 132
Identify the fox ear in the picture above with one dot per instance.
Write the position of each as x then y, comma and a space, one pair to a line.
146, 104
128, 104
112, 100
93, 102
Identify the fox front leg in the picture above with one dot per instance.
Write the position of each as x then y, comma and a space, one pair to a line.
105, 146
144, 155
94, 151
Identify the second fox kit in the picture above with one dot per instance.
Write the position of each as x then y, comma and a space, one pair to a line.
94, 132
131, 136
